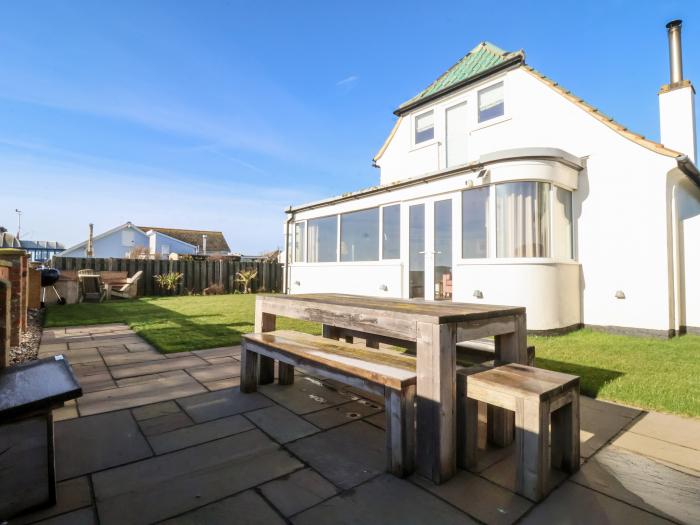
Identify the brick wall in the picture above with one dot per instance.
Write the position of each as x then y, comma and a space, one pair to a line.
17, 277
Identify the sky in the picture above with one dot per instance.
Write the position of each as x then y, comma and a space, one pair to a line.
218, 115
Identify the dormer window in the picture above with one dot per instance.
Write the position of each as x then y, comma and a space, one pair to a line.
491, 102
425, 127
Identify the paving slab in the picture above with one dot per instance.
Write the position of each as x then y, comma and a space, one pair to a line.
248, 508
173, 355
149, 378
683, 458
347, 455
166, 486
65, 412
77, 517
231, 382
125, 357
71, 495
53, 347
89, 444
151, 367
298, 491
222, 403
600, 422
221, 360
683, 431
96, 382
479, 498
140, 347
386, 500
644, 483
86, 369
216, 372
143, 393
304, 396
156, 410
342, 414
79, 345
224, 351
503, 472
167, 423
573, 504
284, 426
197, 434
83, 355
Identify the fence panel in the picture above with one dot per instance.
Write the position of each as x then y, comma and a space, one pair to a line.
197, 275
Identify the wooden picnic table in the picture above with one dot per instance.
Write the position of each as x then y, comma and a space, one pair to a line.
433, 330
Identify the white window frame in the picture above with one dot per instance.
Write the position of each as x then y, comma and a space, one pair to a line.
294, 243
478, 103
426, 142
381, 230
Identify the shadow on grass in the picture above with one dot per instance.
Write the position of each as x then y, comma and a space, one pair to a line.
592, 379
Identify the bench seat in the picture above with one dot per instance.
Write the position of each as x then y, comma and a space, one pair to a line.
386, 373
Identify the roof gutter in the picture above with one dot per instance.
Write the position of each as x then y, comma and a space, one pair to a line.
686, 166
514, 61
554, 154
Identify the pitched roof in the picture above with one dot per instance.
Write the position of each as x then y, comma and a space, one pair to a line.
216, 242
7, 240
481, 61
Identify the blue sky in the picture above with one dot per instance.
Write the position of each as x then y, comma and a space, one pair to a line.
220, 114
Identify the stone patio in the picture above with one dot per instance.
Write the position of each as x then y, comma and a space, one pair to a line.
169, 438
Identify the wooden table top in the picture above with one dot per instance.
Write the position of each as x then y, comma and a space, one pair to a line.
438, 312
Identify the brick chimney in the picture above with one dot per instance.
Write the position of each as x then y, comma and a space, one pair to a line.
677, 100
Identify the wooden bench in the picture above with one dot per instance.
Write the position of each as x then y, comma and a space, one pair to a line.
536, 396
389, 374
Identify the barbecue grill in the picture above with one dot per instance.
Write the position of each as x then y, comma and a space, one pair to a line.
49, 278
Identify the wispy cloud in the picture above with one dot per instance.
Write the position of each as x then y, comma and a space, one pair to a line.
348, 83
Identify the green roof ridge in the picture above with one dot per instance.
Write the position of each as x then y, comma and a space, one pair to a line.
483, 58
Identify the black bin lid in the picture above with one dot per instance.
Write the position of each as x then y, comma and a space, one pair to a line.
35, 385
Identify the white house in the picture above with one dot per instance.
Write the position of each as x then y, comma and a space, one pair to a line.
120, 241
500, 186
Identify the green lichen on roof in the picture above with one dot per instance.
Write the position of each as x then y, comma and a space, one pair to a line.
477, 62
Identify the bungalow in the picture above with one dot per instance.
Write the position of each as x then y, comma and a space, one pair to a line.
498, 185
121, 241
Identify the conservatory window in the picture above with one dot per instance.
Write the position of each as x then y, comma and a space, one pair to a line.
475, 210
359, 235
299, 231
391, 232
522, 219
322, 245
491, 102
425, 128
562, 224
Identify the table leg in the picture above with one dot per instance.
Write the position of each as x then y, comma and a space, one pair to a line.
436, 389
265, 322
510, 348
331, 332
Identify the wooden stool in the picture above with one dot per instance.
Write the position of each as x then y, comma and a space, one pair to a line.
534, 395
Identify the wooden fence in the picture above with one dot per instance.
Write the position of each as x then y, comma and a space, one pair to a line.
197, 275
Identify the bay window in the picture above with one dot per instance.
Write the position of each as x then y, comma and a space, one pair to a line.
522, 219
299, 230
391, 232
359, 235
562, 224
322, 243
475, 212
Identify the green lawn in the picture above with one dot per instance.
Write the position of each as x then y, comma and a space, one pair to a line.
649, 373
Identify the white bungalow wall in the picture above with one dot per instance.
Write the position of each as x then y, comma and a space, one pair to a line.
622, 228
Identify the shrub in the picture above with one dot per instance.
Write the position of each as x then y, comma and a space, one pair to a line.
245, 277
168, 281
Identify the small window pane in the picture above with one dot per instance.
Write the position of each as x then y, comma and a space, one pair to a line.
562, 218
425, 129
323, 239
475, 211
491, 102
391, 223
359, 235
299, 230
522, 219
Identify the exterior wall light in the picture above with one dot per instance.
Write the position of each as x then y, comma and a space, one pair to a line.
469, 184
478, 294
620, 295
297, 283
383, 287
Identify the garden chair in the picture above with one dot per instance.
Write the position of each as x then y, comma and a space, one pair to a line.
127, 290
90, 286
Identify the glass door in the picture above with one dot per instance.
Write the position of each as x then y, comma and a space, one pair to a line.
430, 249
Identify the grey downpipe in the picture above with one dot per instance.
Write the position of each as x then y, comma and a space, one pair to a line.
287, 258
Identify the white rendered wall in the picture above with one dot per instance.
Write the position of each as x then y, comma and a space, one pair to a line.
677, 119
688, 217
350, 278
620, 206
